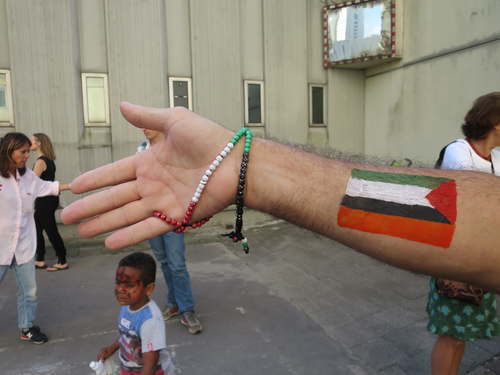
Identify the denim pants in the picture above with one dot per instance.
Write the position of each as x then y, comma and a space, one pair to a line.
169, 250
26, 291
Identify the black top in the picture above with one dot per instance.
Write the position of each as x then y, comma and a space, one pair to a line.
49, 174
51, 202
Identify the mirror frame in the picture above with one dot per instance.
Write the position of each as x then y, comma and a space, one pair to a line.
360, 62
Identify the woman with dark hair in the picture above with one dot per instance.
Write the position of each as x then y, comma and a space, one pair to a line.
454, 320
19, 187
45, 207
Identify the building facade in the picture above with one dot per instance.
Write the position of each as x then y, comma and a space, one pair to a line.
65, 65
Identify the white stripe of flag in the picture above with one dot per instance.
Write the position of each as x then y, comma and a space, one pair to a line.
403, 194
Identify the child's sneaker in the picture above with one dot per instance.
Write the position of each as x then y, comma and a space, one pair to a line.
170, 312
33, 335
191, 322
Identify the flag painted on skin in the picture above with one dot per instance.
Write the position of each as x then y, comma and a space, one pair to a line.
417, 208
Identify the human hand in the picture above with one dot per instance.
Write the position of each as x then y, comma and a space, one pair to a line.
163, 178
107, 352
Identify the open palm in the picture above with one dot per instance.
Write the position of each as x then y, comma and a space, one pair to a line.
163, 178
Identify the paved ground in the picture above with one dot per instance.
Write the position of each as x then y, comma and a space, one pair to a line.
297, 304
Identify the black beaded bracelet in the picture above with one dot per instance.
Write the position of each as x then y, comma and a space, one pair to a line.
237, 235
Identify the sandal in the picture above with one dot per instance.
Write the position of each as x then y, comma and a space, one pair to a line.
40, 265
58, 267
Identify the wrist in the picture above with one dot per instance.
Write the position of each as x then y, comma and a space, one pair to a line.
267, 178
295, 185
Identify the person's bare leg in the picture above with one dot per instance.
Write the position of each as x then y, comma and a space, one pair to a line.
447, 355
457, 358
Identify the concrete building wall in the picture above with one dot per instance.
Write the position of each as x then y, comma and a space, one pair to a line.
137, 64
48, 44
407, 108
4, 37
216, 61
451, 55
94, 143
251, 39
92, 36
285, 69
316, 74
44, 62
178, 37
346, 103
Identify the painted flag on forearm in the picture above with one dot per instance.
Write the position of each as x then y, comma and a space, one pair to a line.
414, 207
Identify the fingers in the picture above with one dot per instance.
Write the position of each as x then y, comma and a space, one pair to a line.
119, 218
143, 230
147, 117
111, 174
100, 202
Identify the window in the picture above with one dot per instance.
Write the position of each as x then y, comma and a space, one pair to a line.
179, 90
317, 105
254, 103
6, 112
95, 99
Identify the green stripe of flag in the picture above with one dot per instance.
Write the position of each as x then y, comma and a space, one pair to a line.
398, 178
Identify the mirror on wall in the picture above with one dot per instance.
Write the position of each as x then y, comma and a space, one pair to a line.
358, 31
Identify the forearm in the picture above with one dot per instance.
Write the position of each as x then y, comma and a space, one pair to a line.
300, 187
108, 351
307, 190
115, 346
63, 187
150, 360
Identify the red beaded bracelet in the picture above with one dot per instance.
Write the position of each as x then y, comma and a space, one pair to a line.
181, 227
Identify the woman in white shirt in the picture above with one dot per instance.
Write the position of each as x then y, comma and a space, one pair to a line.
453, 320
19, 187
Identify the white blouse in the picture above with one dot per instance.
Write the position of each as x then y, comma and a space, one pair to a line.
460, 155
17, 223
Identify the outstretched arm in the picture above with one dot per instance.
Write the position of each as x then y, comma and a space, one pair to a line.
63, 187
459, 241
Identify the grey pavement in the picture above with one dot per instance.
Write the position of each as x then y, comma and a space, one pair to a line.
299, 303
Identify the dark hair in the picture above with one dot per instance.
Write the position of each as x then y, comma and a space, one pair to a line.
45, 145
144, 263
10, 143
483, 116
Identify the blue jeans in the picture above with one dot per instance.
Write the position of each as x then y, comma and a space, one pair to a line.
26, 291
169, 250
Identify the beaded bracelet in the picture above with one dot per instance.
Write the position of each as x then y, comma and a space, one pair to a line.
181, 227
237, 235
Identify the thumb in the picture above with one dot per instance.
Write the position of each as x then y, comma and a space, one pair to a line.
159, 119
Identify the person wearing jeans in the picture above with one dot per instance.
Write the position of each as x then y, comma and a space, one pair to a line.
26, 291
169, 250
19, 187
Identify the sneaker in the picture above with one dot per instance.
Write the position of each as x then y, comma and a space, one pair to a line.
33, 335
170, 312
191, 322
